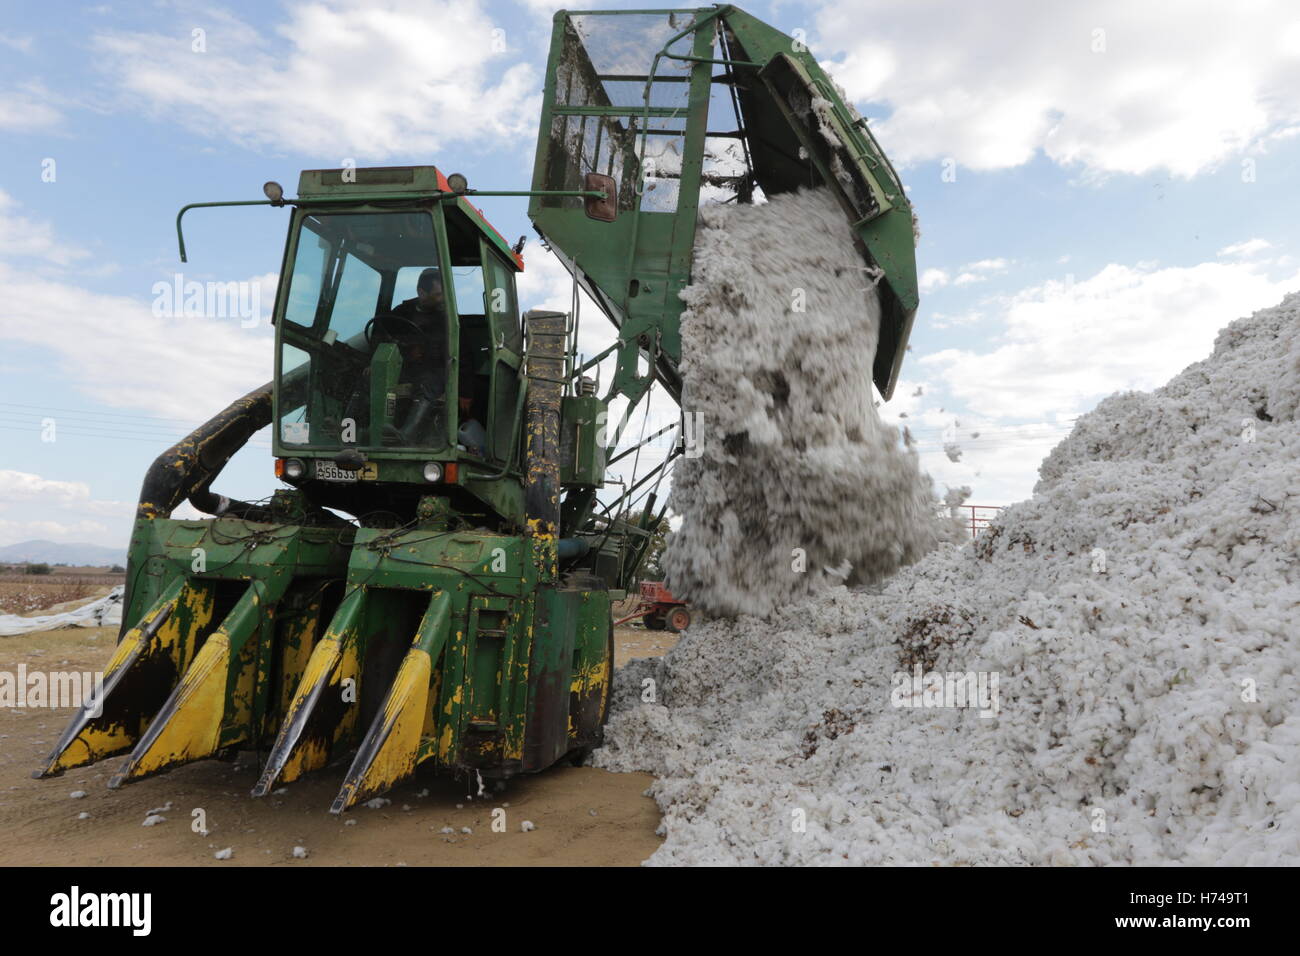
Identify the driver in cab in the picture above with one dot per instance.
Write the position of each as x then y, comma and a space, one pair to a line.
419, 328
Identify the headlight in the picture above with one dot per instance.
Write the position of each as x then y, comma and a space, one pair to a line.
294, 468
433, 471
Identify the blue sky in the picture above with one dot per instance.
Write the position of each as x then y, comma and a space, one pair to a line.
1099, 191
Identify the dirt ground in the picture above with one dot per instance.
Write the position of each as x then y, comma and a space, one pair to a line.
29, 594
582, 816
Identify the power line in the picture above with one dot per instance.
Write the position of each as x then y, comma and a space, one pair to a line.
90, 411
160, 441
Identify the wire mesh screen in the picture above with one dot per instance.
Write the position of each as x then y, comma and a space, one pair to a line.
600, 84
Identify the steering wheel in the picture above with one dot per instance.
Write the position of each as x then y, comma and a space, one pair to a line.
392, 317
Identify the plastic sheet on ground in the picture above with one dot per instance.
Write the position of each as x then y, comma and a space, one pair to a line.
105, 612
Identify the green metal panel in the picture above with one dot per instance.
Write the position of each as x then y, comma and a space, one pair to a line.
550, 673
582, 459
636, 265
799, 132
417, 183
846, 158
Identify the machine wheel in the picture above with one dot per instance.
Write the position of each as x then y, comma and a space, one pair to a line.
679, 619
654, 620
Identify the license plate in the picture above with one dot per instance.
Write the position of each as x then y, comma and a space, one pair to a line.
328, 471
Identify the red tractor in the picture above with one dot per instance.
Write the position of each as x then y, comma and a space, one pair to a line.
659, 610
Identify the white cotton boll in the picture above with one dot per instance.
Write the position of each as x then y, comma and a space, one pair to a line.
796, 471
300, 853
1139, 612
153, 819
225, 854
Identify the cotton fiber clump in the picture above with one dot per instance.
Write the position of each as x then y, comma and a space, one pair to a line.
797, 483
1140, 614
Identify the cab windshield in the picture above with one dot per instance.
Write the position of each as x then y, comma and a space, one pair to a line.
365, 336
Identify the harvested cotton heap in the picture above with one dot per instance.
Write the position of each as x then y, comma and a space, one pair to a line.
1140, 613
797, 483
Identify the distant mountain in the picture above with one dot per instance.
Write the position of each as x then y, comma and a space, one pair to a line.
53, 552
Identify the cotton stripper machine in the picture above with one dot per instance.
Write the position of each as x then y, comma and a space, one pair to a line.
432, 583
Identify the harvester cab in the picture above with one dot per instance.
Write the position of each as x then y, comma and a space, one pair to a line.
433, 583
399, 342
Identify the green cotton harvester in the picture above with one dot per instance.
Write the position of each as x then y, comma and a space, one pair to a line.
433, 582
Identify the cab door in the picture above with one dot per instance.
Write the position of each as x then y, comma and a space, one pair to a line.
501, 306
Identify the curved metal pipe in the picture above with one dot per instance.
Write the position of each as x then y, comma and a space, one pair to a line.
188, 468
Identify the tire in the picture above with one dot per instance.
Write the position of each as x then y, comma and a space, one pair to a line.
678, 620
654, 621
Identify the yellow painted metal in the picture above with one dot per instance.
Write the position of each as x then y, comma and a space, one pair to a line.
192, 730
295, 654
211, 708
391, 748
110, 725
589, 678
334, 661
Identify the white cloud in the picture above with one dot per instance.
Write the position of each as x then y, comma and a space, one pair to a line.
1068, 344
978, 271
1245, 249
933, 279
120, 354
23, 44
116, 350
67, 510
28, 108
22, 238
342, 78
943, 320
999, 460
22, 485
73, 532
548, 7
971, 272
29, 489
113, 347
1111, 86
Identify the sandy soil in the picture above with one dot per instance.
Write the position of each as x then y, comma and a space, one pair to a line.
582, 816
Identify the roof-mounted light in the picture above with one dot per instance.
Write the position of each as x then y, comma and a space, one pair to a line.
457, 183
274, 192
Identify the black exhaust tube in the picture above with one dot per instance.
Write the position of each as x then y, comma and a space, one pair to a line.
188, 468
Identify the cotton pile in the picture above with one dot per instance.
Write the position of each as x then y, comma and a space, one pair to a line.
1140, 615
794, 483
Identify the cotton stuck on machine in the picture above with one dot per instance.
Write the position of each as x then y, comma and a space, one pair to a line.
432, 584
